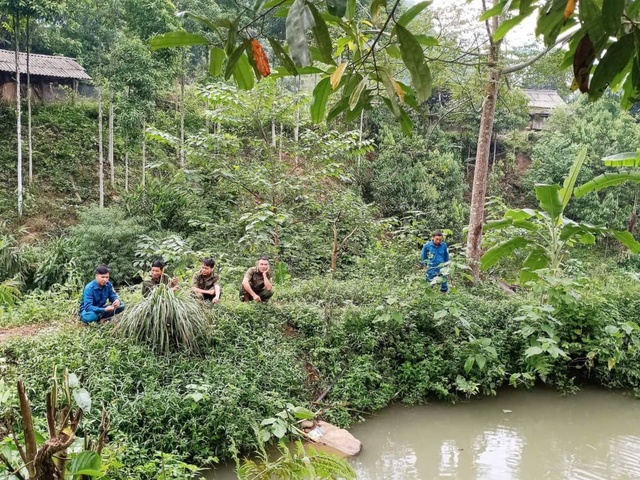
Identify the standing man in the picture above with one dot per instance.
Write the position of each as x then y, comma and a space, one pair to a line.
95, 296
158, 277
256, 284
434, 255
206, 284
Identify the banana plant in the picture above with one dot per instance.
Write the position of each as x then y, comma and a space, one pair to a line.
613, 179
547, 235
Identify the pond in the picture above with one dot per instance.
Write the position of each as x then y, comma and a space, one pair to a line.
519, 435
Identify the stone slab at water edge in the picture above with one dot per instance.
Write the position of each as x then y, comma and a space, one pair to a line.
333, 437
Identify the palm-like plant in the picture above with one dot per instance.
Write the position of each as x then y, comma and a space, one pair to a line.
166, 321
298, 463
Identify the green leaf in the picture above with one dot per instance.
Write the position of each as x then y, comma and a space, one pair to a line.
481, 360
502, 250
570, 181
295, 32
532, 351
351, 9
374, 9
612, 11
616, 58
302, 413
232, 36
283, 56
506, 26
493, 11
406, 124
355, 96
468, 365
279, 429
320, 97
536, 260
519, 213
177, 39
243, 74
216, 59
338, 108
411, 13
627, 239
606, 180
625, 159
337, 8
86, 463
391, 93
83, 399
427, 40
233, 61
549, 198
413, 58
321, 33
201, 20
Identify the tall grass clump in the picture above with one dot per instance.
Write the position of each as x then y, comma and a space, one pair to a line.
166, 321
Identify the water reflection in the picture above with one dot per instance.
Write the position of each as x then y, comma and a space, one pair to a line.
517, 436
520, 435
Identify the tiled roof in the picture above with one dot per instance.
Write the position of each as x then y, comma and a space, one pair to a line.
543, 100
44, 65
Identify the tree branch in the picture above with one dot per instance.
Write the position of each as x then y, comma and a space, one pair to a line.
535, 58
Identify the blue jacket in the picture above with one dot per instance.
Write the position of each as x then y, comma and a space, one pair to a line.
432, 257
94, 297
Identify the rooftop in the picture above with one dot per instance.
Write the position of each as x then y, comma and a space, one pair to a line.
43, 65
543, 101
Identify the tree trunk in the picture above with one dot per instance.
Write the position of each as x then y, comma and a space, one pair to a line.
476, 219
144, 155
274, 140
29, 130
100, 149
19, 117
280, 147
126, 171
111, 161
360, 138
182, 156
31, 447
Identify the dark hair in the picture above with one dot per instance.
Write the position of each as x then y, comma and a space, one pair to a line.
209, 262
437, 233
264, 257
158, 264
102, 270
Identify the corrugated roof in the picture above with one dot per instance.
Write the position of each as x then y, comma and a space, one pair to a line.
543, 100
45, 65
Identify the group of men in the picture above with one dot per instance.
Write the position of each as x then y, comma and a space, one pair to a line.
256, 286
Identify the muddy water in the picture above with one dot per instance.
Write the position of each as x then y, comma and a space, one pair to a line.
520, 435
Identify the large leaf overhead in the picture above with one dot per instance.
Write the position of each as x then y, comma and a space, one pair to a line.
177, 39
549, 198
570, 181
296, 34
413, 58
320, 96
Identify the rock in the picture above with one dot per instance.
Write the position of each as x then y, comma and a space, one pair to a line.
335, 438
307, 425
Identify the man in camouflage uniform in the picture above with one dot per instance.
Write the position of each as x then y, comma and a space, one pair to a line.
256, 284
206, 284
156, 278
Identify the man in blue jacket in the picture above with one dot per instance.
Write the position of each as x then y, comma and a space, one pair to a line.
94, 298
434, 255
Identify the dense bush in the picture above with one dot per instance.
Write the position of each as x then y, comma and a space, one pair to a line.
106, 236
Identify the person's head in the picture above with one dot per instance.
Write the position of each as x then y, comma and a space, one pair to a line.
437, 237
207, 267
157, 269
263, 264
102, 275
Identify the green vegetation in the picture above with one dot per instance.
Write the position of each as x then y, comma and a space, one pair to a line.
201, 160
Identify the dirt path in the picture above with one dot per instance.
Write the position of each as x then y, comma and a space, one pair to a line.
7, 334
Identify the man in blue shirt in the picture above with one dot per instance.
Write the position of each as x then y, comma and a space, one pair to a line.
95, 296
434, 255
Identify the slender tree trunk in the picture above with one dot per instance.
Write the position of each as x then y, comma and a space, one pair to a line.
19, 115
29, 129
182, 155
100, 150
280, 148
476, 219
144, 155
273, 133
360, 140
296, 128
126, 171
111, 160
